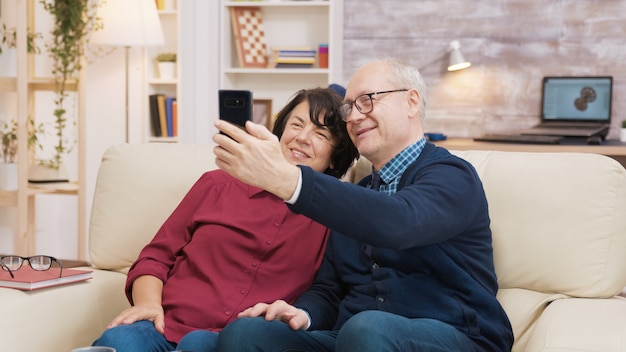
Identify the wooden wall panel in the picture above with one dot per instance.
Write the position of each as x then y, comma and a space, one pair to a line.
512, 44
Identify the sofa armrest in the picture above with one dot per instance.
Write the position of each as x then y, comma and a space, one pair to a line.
61, 318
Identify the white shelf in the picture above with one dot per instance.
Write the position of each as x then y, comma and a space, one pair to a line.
278, 71
285, 23
170, 87
282, 3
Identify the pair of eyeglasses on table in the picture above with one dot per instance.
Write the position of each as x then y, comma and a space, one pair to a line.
13, 263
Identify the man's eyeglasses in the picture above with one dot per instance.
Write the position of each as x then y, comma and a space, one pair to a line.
13, 263
363, 103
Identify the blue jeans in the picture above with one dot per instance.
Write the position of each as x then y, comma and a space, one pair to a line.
368, 331
141, 336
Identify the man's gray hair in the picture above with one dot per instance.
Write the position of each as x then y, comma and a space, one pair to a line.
404, 75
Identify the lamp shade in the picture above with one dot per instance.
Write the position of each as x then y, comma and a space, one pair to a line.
129, 23
457, 61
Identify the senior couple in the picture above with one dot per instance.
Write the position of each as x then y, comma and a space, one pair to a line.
274, 253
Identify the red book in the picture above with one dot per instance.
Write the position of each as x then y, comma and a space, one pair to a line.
27, 279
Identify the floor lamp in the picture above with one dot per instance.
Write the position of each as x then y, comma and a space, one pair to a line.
128, 23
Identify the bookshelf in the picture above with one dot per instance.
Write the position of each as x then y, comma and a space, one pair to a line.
29, 89
155, 82
286, 24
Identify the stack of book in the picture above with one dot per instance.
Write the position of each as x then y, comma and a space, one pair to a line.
28, 279
163, 115
293, 57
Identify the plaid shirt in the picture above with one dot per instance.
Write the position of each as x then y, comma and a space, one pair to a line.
391, 172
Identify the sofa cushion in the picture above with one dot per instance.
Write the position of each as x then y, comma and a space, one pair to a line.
581, 324
126, 214
557, 219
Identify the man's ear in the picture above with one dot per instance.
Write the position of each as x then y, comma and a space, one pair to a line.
415, 102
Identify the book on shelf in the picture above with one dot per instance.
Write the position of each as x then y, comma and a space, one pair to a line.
163, 115
294, 53
28, 279
292, 57
154, 115
175, 117
302, 48
169, 115
295, 60
287, 65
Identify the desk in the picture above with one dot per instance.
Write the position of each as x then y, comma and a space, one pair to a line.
613, 149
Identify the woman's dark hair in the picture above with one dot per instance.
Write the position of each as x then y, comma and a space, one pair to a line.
323, 101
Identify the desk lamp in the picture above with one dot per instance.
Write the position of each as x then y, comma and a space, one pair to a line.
457, 61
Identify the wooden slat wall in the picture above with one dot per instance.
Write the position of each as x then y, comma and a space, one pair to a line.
512, 44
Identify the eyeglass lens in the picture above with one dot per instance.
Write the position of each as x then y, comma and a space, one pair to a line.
38, 262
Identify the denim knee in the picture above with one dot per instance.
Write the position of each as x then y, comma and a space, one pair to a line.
139, 336
363, 326
242, 329
198, 340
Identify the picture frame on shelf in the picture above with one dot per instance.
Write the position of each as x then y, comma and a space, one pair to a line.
262, 112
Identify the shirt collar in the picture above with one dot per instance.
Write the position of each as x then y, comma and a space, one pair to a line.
399, 163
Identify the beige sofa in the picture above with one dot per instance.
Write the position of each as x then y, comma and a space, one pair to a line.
559, 225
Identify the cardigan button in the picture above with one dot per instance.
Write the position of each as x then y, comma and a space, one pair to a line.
380, 299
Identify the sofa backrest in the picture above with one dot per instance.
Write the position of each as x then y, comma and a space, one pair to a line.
558, 220
137, 187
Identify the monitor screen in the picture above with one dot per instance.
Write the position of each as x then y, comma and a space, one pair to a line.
577, 98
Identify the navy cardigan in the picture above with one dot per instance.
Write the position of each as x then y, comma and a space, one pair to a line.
432, 255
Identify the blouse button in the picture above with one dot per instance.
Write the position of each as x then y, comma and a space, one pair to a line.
242, 291
254, 265
269, 243
227, 312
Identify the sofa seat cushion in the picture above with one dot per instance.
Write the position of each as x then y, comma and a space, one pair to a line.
524, 307
581, 324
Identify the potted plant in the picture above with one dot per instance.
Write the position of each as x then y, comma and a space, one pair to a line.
73, 20
8, 39
622, 132
8, 150
8, 43
166, 63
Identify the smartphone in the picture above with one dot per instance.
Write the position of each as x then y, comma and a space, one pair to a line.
235, 106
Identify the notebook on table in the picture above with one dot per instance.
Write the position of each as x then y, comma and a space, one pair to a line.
574, 107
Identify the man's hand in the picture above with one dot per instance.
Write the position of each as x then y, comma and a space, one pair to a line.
279, 310
255, 158
151, 312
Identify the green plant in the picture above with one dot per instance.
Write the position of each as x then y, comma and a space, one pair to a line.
8, 139
623, 123
166, 57
8, 39
73, 21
